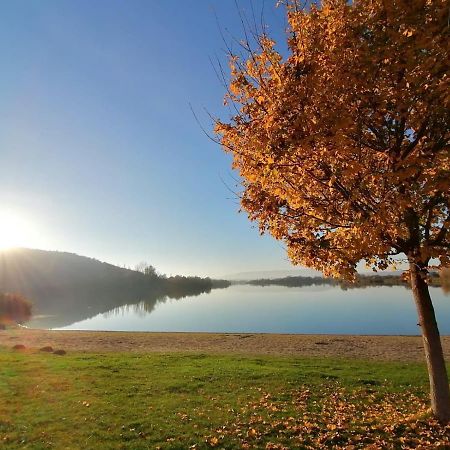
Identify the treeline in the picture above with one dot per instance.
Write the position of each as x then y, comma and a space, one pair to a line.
291, 281
362, 281
389, 280
181, 286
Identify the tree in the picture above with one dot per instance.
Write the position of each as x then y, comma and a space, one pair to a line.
14, 308
342, 144
147, 269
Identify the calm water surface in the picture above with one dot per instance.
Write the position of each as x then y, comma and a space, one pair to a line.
274, 309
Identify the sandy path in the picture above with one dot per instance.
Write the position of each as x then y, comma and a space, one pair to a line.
390, 348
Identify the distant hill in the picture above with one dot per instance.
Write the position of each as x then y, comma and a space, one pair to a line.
65, 287
28, 269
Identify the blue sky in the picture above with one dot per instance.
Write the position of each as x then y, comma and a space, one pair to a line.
99, 150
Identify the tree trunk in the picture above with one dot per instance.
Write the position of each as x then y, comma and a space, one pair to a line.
437, 372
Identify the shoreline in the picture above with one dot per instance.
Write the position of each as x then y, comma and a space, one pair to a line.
370, 347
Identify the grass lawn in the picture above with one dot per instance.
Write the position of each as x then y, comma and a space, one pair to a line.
182, 401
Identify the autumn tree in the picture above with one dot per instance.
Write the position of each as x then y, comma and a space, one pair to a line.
342, 143
14, 308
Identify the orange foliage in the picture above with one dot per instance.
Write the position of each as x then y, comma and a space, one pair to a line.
14, 308
342, 144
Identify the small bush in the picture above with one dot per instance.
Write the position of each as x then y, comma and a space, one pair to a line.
14, 308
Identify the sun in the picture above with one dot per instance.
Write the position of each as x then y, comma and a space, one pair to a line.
15, 231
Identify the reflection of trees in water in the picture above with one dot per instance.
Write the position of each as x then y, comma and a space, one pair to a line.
80, 303
141, 308
144, 307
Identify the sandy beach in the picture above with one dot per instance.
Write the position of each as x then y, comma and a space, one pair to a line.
383, 348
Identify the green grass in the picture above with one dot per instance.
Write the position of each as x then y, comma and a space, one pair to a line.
174, 401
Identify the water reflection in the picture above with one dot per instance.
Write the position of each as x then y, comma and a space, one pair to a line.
60, 309
276, 309
145, 307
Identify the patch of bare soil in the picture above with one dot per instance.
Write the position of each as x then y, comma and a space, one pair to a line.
387, 348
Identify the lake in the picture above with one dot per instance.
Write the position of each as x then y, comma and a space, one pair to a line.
272, 309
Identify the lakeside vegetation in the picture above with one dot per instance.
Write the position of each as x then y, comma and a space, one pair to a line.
361, 281
180, 401
13, 309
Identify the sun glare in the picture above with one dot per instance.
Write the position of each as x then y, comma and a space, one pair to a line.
15, 231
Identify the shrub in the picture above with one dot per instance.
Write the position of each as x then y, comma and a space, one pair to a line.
14, 308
